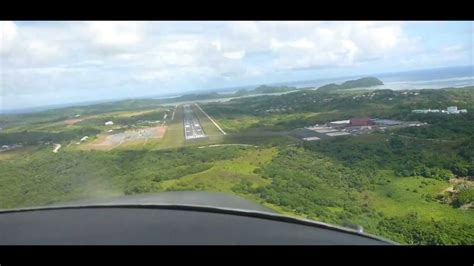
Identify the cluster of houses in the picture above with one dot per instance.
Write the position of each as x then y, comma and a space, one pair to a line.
357, 124
449, 110
353, 126
148, 122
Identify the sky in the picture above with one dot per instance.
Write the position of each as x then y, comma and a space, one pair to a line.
46, 63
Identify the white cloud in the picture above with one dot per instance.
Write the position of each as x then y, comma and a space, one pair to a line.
454, 48
297, 44
235, 54
19, 47
43, 51
116, 35
8, 34
293, 44
332, 44
217, 45
62, 56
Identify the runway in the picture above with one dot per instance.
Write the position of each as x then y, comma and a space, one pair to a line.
192, 126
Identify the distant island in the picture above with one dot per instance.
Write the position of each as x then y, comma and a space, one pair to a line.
262, 89
270, 89
351, 84
267, 89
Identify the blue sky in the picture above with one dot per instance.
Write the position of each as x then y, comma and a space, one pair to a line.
45, 63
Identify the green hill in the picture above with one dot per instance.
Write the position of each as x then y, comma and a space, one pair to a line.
350, 84
272, 89
262, 89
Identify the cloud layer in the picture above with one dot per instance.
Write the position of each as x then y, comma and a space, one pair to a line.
80, 61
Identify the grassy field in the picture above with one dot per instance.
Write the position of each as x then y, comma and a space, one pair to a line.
225, 174
270, 121
237, 124
137, 113
402, 196
174, 136
18, 153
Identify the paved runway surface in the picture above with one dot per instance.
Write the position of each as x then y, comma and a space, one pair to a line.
192, 126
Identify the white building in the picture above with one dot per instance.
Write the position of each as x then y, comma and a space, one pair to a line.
339, 124
453, 110
449, 110
84, 138
311, 138
109, 123
425, 111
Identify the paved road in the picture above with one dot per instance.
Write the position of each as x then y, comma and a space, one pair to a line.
192, 126
172, 116
56, 148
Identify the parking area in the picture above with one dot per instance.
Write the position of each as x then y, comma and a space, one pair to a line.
114, 140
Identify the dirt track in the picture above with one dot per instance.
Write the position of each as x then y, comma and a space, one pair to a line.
73, 121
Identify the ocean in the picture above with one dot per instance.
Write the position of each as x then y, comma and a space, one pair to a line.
420, 79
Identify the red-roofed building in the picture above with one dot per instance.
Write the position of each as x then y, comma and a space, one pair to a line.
361, 122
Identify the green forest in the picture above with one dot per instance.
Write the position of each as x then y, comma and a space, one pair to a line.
412, 185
